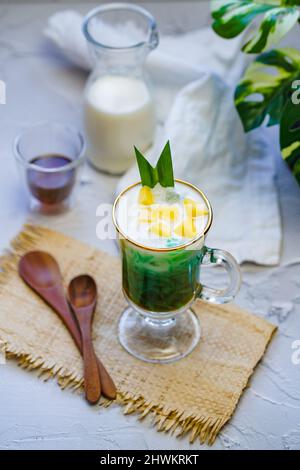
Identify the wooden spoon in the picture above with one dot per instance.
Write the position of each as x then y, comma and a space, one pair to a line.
83, 297
41, 272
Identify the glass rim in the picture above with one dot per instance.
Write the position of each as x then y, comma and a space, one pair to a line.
165, 249
69, 166
114, 7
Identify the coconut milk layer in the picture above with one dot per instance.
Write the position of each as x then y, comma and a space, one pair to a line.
162, 217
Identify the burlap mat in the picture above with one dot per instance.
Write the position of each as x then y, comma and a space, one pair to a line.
194, 396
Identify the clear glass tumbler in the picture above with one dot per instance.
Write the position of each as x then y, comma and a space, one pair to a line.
118, 104
160, 285
50, 156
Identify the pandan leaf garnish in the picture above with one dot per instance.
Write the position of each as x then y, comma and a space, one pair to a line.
162, 173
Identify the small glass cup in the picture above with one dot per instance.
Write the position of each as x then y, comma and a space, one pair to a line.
160, 285
49, 156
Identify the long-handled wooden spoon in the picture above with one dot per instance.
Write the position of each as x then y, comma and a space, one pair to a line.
82, 293
41, 272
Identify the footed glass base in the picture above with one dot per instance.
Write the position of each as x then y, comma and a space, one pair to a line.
160, 341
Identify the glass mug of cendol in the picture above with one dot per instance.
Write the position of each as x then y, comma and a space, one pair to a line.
162, 249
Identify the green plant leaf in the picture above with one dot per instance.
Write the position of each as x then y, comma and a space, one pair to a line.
148, 174
290, 135
275, 25
262, 93
164, 167
290, 2
162, 173
232, 17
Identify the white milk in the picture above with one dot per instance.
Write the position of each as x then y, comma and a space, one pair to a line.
119, 114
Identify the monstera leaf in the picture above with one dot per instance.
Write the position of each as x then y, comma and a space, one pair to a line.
232, 17
264, 89
265, 93
290, 135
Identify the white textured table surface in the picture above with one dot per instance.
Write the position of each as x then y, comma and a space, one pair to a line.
37, 415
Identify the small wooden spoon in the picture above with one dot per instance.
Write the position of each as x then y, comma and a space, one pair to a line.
82, 292
41, 272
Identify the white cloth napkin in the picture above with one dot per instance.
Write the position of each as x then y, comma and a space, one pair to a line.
193, 76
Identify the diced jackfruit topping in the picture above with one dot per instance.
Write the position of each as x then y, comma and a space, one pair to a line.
193, 209
145, 215
168, 213
146, 196
161, 229
153, 214
186, 228
162, 218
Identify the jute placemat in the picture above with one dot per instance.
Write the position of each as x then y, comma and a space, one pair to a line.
194, 396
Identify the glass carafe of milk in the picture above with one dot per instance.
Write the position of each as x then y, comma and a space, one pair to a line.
118, 106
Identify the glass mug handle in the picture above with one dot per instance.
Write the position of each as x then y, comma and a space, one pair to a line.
222, 258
